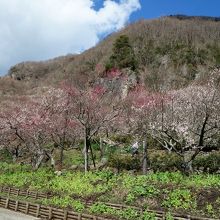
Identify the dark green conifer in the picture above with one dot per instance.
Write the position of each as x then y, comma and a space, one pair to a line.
123, 55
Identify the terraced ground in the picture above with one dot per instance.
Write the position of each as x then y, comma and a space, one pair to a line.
171, 192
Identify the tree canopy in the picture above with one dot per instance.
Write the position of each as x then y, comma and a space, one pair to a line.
122, 55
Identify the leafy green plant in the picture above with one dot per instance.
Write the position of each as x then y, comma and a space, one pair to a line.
148, 216
78, 205
124, 162
179, 198
99, 208
210, 163
169, 216
65, 202
129, 214
210, 210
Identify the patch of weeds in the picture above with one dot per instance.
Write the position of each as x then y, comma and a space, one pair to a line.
210, 210
148, 216
179, 198
169, 216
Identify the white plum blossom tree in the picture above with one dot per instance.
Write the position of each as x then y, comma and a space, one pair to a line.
188, 121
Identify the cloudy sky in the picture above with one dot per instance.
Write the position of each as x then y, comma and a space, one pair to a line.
43, 29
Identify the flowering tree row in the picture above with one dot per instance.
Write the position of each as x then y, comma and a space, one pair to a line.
183, 121
58, 117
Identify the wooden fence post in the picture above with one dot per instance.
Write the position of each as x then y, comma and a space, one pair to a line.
9, 191
27, 207
38, 211
27, 193
6, 203
65, 215
79, 216
16, 206
50, 213
18, 192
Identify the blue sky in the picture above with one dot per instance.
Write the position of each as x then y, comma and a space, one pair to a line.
43, 29
157, 8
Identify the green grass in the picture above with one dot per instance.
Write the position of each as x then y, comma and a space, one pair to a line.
171, 191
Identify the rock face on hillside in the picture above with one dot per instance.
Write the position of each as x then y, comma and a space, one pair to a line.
171, 52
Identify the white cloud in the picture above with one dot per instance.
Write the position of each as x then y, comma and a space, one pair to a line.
42, 29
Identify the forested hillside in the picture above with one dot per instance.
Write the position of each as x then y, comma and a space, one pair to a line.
170, 52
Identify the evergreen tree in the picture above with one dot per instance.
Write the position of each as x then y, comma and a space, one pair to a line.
123, 55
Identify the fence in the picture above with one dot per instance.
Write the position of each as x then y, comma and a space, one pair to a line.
62, 215
10, 191
44, 212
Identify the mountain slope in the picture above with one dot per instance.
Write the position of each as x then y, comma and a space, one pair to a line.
171, 52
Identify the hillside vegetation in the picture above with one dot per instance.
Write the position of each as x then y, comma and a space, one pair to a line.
171, 52
139, 114
170, 192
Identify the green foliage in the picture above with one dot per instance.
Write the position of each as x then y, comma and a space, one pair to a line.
215, 52
141, 191
171, 162
73, 157
180, 53
138, 187
210, 163
165, 162
5, 156
169, 216
148, 216
78, 205
123, 55
101, 208
79, 184
173, 189
126, 162
57, 201
129, 213
65, 202
179, 198
125, 139
10, 168
210, 210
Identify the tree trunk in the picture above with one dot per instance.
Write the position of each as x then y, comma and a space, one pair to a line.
86, 153
14, 153
101, 149
37, 159
93, 157
144, 165
61, 156
187, 160
51, 158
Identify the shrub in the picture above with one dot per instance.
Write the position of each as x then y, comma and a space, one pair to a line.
210, 163
124, 162
165, 162
5, 156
